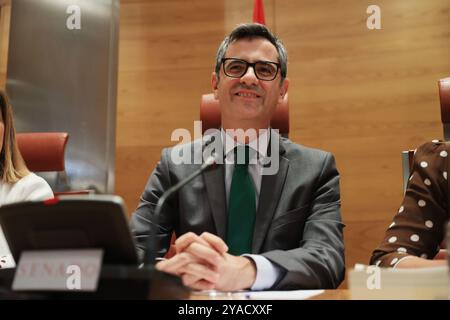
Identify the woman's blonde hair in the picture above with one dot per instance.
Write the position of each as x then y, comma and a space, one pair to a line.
9, 156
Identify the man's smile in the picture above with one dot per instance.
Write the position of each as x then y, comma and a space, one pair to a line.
247, 94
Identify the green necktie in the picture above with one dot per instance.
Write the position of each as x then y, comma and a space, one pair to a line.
241, 206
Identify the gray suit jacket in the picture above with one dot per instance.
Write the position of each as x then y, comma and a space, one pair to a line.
298, 222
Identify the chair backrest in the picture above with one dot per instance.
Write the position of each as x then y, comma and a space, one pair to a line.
43, 151
210, 114
444, 96
407, 164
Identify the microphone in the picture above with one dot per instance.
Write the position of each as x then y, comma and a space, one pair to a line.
150, 253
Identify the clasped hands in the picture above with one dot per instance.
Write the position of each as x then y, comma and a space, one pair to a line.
203, 263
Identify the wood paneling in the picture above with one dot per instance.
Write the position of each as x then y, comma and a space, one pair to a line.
166, 58
363, 94
238, 11
5, 13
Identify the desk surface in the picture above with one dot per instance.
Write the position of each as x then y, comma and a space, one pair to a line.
338, 294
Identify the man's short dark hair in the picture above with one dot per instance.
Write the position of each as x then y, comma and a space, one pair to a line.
250, 31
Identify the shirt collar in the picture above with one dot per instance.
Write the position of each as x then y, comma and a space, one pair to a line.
259, 145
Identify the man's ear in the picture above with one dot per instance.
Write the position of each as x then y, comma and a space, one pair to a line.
284, 89
214, 84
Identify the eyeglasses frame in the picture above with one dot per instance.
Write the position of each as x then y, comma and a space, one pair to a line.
251, 64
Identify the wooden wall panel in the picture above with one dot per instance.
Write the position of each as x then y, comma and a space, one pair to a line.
166, 58
5, 13
238, 11
364, 95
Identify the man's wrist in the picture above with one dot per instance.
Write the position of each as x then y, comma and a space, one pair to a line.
248, 272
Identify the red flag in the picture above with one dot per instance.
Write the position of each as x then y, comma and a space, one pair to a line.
258, 12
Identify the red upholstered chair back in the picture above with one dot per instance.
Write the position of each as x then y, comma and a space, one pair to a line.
210, 114
444, 96
43, 151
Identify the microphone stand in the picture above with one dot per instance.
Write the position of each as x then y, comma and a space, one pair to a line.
151, 252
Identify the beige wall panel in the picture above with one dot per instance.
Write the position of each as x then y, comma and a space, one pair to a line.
238, 11
5, 13
129, 181
166, 58
171, 101
365, 95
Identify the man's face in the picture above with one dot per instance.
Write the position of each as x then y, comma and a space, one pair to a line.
248, 101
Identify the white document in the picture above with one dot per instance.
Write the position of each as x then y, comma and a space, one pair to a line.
278, 295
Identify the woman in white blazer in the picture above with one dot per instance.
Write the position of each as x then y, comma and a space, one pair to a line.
17, 183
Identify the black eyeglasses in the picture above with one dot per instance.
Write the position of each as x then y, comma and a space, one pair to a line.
264, 70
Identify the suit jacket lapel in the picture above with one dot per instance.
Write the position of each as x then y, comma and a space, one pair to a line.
271, 187
215, 188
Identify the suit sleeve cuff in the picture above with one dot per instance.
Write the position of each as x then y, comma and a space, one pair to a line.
266, 272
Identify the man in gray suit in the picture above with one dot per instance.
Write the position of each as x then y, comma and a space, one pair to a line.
239, 226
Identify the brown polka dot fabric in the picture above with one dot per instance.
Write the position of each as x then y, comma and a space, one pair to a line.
418, 228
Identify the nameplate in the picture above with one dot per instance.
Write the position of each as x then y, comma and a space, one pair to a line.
371, 282
58, 270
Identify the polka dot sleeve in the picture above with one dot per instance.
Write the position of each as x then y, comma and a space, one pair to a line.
418, 227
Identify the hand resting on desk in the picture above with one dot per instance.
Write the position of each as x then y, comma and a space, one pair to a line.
203, 263
415, 262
